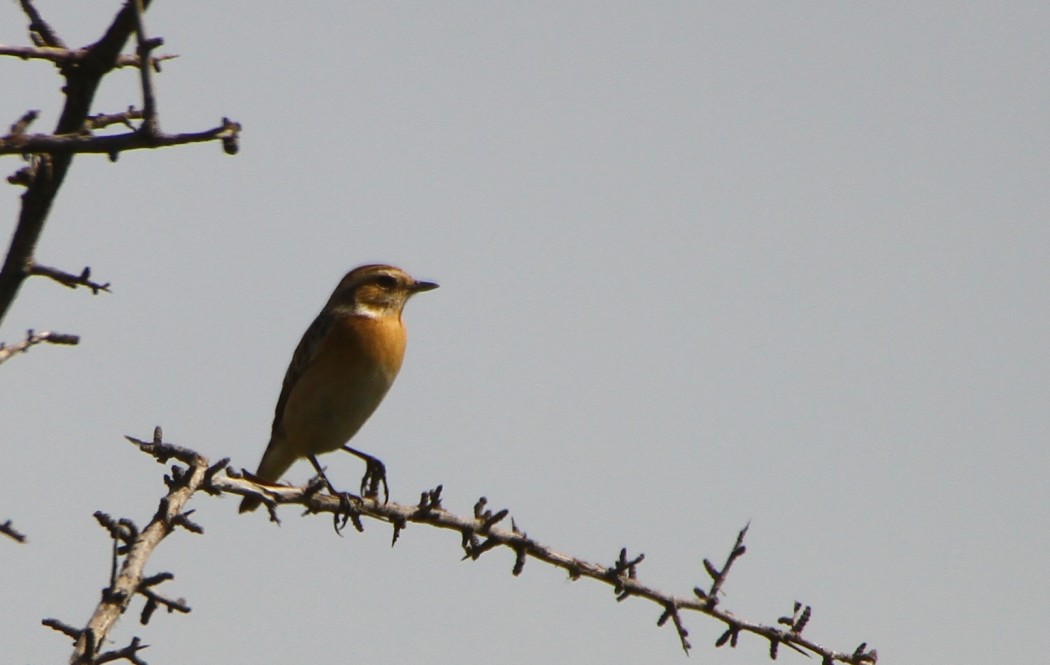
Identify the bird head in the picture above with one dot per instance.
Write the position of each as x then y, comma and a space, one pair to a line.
376, 291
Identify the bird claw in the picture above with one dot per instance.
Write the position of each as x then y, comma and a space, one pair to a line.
375, 474
347, 502
348, 512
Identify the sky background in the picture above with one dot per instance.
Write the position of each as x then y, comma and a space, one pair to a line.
700, 264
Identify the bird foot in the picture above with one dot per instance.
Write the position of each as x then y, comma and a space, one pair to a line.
348, 512
375, 475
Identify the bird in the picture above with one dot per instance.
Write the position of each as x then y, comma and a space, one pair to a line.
342, 368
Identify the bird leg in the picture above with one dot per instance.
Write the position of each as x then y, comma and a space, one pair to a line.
346, 504
375, 473
320, 472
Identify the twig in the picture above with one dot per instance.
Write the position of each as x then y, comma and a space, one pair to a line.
33, 338
6, 527
76, 143
69, 279
718, 577
129, 653
103, 120
64, 628
65, 56
20, 125
150, 123
39, 29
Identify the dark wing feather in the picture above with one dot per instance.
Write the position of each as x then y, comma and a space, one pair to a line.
301, 359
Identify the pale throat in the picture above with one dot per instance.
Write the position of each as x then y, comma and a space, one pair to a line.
371, 310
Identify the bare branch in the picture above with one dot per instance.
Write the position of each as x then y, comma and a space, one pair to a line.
63, 628
68, 144
6, 528
128, 653
479, 533
150, 123
64, 56
155, 600
43, 184
69, 279
39, 29
52, 155
718, 577
138, 546
20, 125
102, 120
33, 338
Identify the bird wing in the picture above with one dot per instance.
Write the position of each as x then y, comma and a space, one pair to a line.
302, 357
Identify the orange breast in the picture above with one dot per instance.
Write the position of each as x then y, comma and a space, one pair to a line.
354, 367
366, 341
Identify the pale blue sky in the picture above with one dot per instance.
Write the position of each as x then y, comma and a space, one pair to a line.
701, 263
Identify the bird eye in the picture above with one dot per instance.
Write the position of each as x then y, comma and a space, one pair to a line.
386, 281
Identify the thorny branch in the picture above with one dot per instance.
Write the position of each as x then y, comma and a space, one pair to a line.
479, 533
50, 155
132, 550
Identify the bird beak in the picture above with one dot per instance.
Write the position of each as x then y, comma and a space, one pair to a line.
422, 286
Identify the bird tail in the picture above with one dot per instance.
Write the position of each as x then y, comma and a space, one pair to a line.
249, 503
275, 461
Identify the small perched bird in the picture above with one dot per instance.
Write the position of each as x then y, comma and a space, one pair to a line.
344, 365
